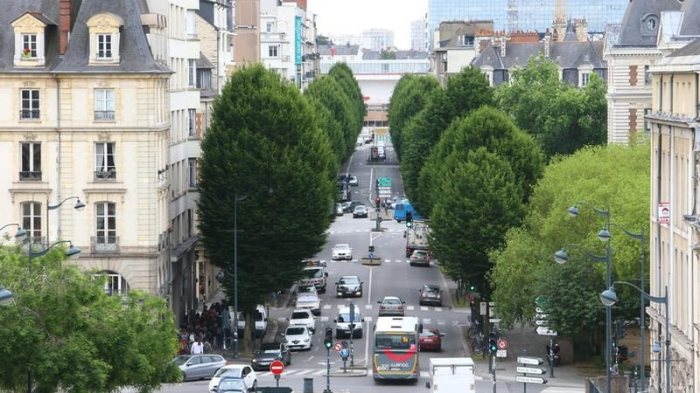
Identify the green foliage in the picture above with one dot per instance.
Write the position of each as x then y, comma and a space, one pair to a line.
72, 337
332, 129
265, 144
342, 73
566, 118
492, 129
611, 177
478, 201
409, 97
464, 92
330, 94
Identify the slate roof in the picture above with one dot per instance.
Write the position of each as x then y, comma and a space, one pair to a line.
692, 49
135, 54
635, 30
567, 54
691, 21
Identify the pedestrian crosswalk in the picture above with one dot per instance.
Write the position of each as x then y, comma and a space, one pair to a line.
291, 372
364, 230
399, 261
369, 319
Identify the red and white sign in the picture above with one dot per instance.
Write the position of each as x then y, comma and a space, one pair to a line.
276, 367
664, 213
338, 346
502, 344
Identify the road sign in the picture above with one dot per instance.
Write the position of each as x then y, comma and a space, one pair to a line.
344, 353
539, 310
384, 182
338, 346
482, 308
545, 331
494, 320
502, 344
530, 360
276, 367
542, 301
541, 322
541, 316
530, 379
530, 370
501, 353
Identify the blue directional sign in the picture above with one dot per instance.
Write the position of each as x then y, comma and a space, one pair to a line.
344, 353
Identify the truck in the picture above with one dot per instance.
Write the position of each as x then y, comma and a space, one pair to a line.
451, 375
314, 274
417, 237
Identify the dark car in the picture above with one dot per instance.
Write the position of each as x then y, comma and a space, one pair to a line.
430, 340
391, 305
348, 207
430, 295
268, 353
349, 286
359, 211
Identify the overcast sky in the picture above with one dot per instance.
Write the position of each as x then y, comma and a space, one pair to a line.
354, 16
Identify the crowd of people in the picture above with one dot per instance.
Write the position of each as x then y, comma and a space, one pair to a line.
205, 330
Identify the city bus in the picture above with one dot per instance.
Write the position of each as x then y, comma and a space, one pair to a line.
395, 354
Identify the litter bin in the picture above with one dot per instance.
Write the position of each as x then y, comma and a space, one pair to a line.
308, 385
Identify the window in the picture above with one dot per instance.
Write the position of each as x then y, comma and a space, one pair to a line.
115, 283
192, 172
270, 27
647, 75
191, 24
31, 220
104, 104
204, 79
105, 223
272, 51
31, 161
29, 46
191, 122
104, 46
30, 104
104, 161
585, 77
192, 72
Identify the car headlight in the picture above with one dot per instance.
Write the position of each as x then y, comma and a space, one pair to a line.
255, 360
306, 340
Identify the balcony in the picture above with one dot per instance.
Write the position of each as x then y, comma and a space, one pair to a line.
30, 175
105, 175
29, 114
104, 244
104, 115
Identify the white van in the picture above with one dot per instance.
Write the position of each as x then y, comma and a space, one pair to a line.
452, 375
259, 317
342, 323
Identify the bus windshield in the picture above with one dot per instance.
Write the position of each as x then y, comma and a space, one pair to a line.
401, 341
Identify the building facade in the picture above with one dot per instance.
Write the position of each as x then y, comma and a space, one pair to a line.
88, 117
378, 39
674, 122
419, 36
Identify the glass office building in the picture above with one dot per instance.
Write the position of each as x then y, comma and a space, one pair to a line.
525, 15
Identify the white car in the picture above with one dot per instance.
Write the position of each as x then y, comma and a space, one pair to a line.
309, 301
242, 371
297, 337
302, 316
307, 289
353, 181
342, 251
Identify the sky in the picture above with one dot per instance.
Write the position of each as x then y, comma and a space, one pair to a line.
354, 16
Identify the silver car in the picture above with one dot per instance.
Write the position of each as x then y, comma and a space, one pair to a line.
199, 366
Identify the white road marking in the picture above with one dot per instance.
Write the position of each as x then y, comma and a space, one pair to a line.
369, 295
424, 374
426, 321
438, 308
387, 260
410, 308
368, 306
324, 319
398, 261
327, 307
281, 319
441, 323
423, 308
368, 319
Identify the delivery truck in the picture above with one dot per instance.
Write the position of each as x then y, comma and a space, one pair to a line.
449, 375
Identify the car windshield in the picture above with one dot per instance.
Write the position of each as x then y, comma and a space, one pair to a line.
391, 301
342, 246
427, 333
431, 288
313, 273
420, 253
230, 372
345, 317
232, 385
349, 280
300, 315
270, 348
295, 331
180, 360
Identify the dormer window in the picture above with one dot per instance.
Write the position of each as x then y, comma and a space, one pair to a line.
29, 39
104, 31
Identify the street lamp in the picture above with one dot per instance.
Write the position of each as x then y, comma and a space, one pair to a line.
235, 272
72, 250
78, 206
20, 234
608, 297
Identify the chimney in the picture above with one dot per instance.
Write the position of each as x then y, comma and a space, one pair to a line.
64, 24
503, 45
547, 45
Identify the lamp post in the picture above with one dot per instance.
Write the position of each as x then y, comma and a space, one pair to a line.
609, 297
605, 235
235, 272
20, 234
78, 206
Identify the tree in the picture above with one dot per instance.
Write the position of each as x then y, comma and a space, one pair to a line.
409, 97
478, 201
465, 92
322, 40
614, 177
264, 144
332, 128
65, 334
484, 127
329, 93
566, 118
342, 73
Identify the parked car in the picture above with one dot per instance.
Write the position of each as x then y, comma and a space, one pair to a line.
232, 385
202, 366
342, 323
359, 211
297, 337
346, 206
268, 353
430, 340
302, 316
242, 371
391, 305
341, 251
353, 181
349, 286
430, 295
351, 206
339, 209
419, 257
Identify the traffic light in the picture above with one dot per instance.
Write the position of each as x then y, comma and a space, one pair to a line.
328, 340
493, 343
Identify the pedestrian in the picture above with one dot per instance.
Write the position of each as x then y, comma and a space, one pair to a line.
197, 347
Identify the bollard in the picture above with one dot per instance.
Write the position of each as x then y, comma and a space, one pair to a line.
308, 385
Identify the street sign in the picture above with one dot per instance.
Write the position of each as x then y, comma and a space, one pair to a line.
482, 308
338, 346
545, 331
494, 320
539, 310
501, 353
276, 367
541, 316
541, 322
530, 360
384, 182
344, 353
530, 370
542, 301
502, 344
530, 379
